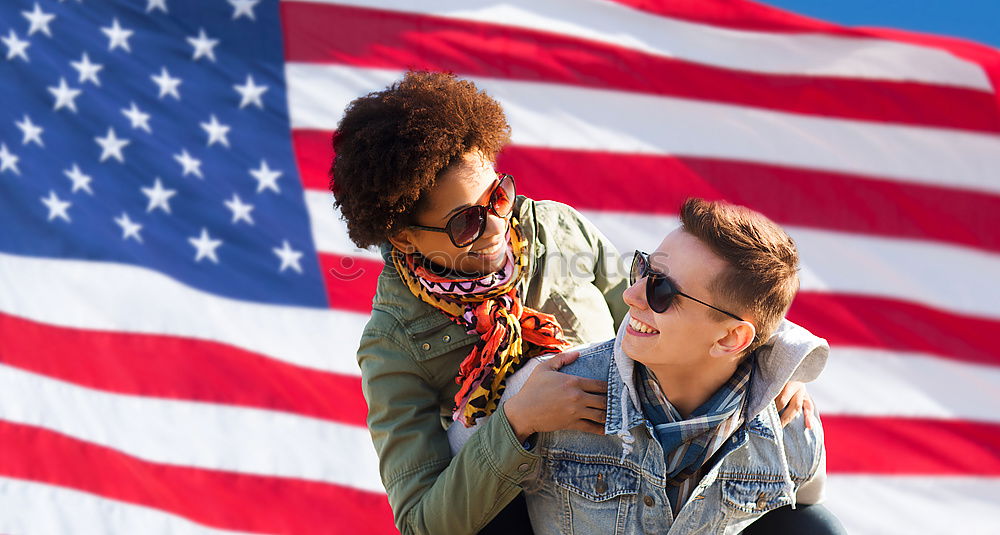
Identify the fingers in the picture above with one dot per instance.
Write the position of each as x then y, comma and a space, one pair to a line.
788, 416
588, 426
781, 402
807, 406
594, 401
594, 386
560, 360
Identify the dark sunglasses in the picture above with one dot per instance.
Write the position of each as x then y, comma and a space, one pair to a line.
468, 224
660, 289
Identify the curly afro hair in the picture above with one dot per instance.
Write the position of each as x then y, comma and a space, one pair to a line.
391, 146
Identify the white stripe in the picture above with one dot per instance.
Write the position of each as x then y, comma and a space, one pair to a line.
868, 382
568, 117
810, 54
42, 509
201, 435
144, 301
329, 230
902, 505
942, 276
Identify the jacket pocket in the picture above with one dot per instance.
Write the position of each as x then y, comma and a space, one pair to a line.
595, 480
755, 496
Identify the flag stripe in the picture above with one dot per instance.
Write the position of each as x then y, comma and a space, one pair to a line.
602, 22
171, 367
866, 321
790, 196
29, 506
350, 281
832, 262
908, 504
295, 335
883, 445
336, 34
910, 385
565, 117
215, 498
230, 438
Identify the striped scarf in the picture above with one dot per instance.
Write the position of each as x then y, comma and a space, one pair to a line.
488, 306
689, 443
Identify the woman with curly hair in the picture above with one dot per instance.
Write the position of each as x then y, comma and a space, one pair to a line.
477, 281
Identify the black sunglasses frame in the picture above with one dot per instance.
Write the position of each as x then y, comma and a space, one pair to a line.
655, 281
483, 213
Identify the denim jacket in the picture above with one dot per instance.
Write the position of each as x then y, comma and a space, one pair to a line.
616, 483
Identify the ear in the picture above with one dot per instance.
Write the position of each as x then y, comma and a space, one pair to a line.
738, 337
403, 240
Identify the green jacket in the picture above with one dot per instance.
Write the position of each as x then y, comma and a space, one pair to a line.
410, 354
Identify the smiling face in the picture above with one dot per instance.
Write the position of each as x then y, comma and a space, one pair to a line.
466, 183
687, 332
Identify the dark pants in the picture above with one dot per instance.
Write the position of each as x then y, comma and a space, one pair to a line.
512, 520
805, 519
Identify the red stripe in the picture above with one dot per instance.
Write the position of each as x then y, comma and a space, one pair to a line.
220, 499
790, 196
350, 281
739, 15
178, 368
322, 33
880, 323
911, 446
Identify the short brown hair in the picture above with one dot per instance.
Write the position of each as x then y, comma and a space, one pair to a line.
391, 145
762, 274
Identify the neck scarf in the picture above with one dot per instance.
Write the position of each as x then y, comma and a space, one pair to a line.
689, 443
488, 306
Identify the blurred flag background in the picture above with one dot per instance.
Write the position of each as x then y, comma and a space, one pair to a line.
180, 305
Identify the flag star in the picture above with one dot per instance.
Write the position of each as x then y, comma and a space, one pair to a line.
156, 4
159, 197
217, 131
8, 160
190, 165
267, 178
65, 96
130, 229
137, 118
240, 211
112, 145
289, 257
15, 46
88, 71
39, 20
31, 131
117, 36
205, 246
250, 93
243, 7
57, 207
203, 46
168, 85
79, 179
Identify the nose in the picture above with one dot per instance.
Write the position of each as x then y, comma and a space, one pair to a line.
635, 295
495, 225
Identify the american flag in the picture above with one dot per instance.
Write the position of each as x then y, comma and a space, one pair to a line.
177, 356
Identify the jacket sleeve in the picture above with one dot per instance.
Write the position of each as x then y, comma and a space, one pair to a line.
429, 491
813, 490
